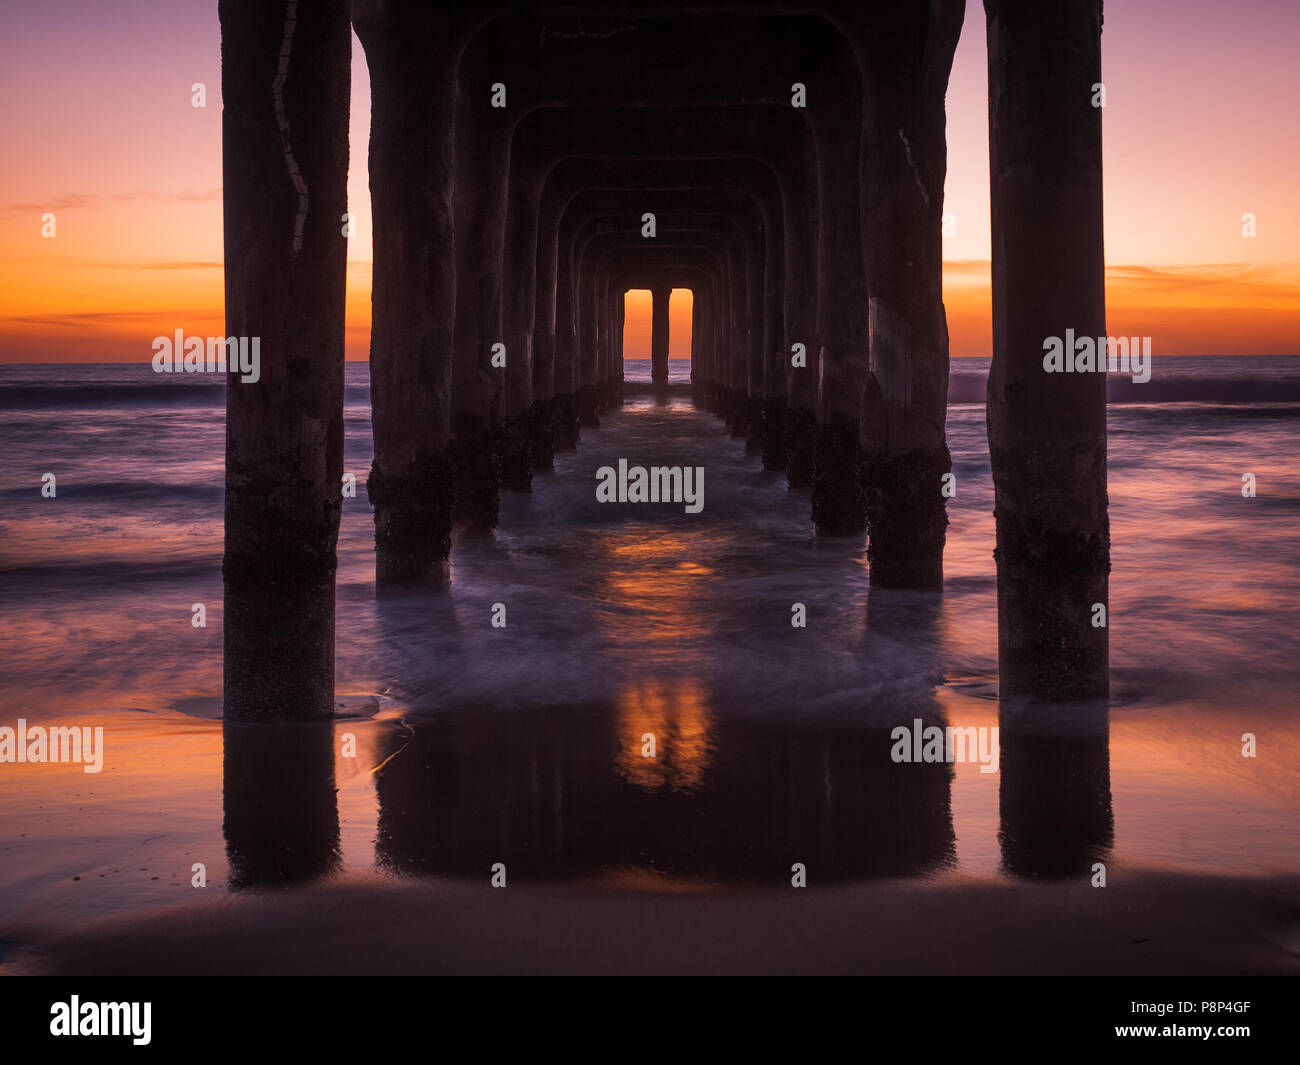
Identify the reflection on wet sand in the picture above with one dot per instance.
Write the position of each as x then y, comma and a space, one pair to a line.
1054, 800
281, 816
673, 778
550, 793
664, 734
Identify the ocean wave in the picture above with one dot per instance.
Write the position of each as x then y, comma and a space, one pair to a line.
30, 575
1184, 388
198, 393
133, 492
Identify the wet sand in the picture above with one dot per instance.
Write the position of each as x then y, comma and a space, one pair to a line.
1143, 923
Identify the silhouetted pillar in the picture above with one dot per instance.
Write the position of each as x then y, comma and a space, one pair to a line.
613, 298
736, 339
587, 318
768, 392
700, 341
1047, 431
747, 369
521, 438
479, 379
798, 356
408, 52
525, 330
567, 382
620, 323
659, 333
908, 51
543, 420
707, 344
607, 352
285, 72
696, 347
835, 109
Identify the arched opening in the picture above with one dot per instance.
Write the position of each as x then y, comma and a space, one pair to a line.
681, 305
638, 333
637, 324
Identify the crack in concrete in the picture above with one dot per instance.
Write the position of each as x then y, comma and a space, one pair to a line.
282, 74
912, 163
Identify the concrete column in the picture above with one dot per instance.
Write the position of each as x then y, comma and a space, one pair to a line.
907, 55
705, 376
769, 384
588, 333
567, 383
659, 333
1047, 431
800, 202
757, 321
620, 323
285, 71
524, 381
838, 507
550, 384
483, 135
700, 340
697, 349
409, 53
607, 354
735, 341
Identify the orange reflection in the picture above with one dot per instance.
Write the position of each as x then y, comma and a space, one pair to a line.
663, 729
653, 586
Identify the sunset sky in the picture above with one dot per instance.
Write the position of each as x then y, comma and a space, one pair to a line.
98, 127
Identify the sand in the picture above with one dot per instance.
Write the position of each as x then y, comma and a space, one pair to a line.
1144, 923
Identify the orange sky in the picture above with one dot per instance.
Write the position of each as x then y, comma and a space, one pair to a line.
99, 129
636, 323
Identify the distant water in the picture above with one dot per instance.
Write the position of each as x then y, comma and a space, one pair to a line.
670, 622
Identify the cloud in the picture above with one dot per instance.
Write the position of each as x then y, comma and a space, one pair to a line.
119, 264
1249, 283
162, 265
1253, 280
83, 319
73, 201
967, 267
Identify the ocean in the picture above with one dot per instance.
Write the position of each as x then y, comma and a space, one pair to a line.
524, 741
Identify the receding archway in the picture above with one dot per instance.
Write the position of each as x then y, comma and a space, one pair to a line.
642, 339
